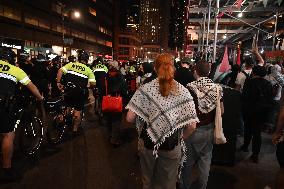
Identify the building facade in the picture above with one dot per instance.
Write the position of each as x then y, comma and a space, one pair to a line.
133, 16
128, 45
154, 27
44, 26
177, 25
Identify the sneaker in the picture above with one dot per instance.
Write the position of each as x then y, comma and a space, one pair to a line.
243, 149
254, 158
9, 175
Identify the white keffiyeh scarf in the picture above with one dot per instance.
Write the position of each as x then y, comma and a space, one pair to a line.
163, 115
206, 91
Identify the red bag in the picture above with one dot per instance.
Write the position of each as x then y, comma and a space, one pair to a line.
111, 103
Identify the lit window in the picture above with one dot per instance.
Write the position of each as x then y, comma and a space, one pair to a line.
56, 8
93, 11
91, 38
12, 13
109, 43
31, 20
44, 24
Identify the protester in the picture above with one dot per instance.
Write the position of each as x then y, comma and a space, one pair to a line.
277, 81
244, 74
147, 69
40, 75
200, 144
163, 107
277, 139
116, 85
257, 102
184, 74
230, 78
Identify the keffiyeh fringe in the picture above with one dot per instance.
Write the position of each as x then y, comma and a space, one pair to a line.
206, 91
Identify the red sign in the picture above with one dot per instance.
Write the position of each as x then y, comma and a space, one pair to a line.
108, 57
274, 54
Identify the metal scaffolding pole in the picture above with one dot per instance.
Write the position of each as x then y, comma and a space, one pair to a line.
275, 30
216, 30
203, 32
253, 26
208, 30
247, 29
257, 35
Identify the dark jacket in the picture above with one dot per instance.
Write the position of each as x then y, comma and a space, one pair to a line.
100, 81
184, 76
257, 98
116, 84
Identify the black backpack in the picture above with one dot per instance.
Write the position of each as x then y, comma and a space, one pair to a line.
248, 77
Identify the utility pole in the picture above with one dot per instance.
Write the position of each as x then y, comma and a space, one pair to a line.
208, 30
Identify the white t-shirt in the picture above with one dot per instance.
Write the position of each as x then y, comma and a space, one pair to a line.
273, 81
241, 78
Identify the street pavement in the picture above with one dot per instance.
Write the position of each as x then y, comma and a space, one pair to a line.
90, 162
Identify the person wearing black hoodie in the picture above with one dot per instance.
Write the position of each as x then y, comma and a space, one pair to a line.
40, 75
257, 100
183, 74
116, 85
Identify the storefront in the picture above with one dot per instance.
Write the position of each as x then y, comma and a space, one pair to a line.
14, 44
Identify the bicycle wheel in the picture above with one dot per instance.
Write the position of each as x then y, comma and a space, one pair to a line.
56, 130
31, 135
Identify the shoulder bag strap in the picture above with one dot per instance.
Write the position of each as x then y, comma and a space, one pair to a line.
106, 86
195, 98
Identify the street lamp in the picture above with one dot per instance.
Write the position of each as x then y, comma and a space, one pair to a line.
67, 12
77, 14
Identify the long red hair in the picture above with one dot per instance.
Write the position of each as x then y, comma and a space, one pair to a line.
164, 67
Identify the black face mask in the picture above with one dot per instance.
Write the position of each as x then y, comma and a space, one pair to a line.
140, 73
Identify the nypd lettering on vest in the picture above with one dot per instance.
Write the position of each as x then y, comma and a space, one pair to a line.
4, 68
78, 67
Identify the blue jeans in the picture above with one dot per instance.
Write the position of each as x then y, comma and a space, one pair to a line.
199, 151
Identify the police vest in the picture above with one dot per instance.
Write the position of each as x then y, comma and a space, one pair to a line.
78, 73
100, 68
10, 75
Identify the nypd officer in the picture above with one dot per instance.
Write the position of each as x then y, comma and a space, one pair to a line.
10, 76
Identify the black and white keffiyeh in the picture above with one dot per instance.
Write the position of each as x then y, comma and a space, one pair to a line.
163, 115
206, 91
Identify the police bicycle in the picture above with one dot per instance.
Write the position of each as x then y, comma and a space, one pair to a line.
28, 124
61, 118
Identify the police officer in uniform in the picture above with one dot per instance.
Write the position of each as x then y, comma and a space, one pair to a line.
77, 77
10, 75
100, 71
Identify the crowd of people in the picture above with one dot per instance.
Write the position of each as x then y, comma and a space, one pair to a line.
173, 105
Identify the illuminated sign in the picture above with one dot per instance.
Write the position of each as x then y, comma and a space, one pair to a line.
11, 46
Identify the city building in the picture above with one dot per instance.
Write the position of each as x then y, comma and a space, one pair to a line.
153, 28
57, 26
177, 34
128, 45
133, 16
127, 42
